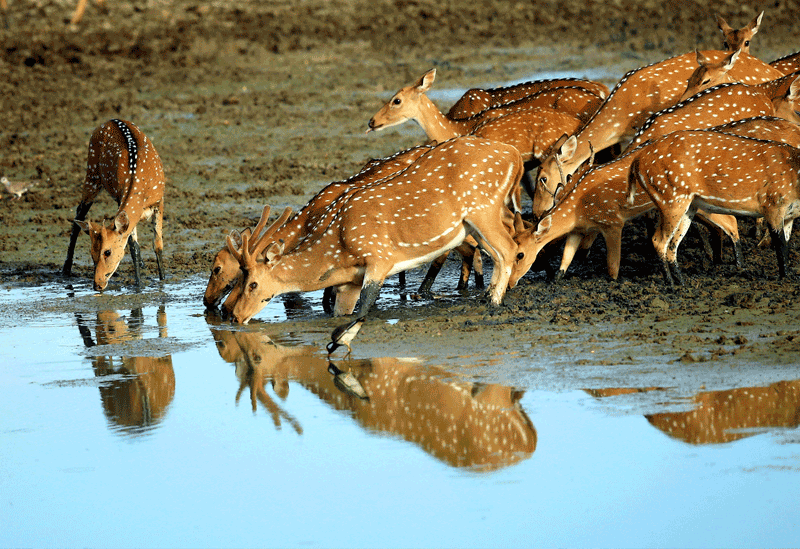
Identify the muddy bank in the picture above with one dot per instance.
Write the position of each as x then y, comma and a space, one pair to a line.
266, 102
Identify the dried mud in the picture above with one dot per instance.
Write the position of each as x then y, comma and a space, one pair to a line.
266, 102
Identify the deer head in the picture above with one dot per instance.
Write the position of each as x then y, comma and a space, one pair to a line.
107, 247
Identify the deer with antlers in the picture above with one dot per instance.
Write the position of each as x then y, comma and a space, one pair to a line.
721, 173
638, 95
124, 162
462, 187
597, 204
306, 225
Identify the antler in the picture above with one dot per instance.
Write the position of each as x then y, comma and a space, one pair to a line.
262, 221
259, 244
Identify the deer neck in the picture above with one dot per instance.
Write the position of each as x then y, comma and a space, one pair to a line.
435, 124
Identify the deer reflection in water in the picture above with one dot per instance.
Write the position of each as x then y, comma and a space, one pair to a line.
480, 426
139, 389
725, 416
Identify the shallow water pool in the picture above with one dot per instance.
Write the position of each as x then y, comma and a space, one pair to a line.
135, 420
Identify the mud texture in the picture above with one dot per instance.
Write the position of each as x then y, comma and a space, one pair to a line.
258, 102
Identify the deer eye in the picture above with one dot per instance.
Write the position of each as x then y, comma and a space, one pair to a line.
217, 270
396, 101
543, 180
520, 256
706, 81
569, 178
253, 286
107, 253
747, 42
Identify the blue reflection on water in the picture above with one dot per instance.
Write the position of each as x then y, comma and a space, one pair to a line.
304, 464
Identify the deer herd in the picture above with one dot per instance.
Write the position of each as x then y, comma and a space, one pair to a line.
713, 133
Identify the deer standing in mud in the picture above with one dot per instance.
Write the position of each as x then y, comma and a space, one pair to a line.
305, 225
721, 173
638, 95
124, 162
597, 203
460, 188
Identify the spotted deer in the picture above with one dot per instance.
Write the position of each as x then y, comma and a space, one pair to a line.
709, 74
788, 63
477, 100
712, 107
225, 271
739, 39
460, 188
639, 94
308, 222
124, 162
596, 203
412, 103
721, 173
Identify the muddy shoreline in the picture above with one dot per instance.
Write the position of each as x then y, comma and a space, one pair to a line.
267, 102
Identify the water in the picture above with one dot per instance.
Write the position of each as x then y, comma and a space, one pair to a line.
132, 420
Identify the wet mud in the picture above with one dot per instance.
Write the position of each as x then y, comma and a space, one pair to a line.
266, 102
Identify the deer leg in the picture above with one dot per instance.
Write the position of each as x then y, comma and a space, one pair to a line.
477, 268
136, 257
502, 249
402, 279
433, 272
80, 215
570, 247
613, 238
328, 299
781, 246
158, 242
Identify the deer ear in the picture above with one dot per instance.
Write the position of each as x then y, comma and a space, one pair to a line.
730, 61
121, 222
723, 25
426, 81
568, 148
237, 238
274, 252
544, 223
519, 223
755, 23
794, 90
85, 226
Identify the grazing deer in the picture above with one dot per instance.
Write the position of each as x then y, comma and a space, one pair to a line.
477, 100
124, 162
638, 95
739, 39
411, 103
720, 173
462, 187
597, 203
788, 63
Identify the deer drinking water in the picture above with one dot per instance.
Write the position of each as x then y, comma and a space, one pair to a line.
124, 162
460, 188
